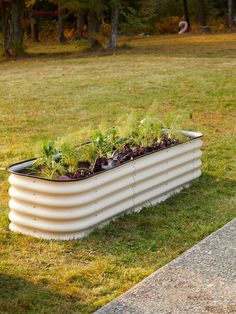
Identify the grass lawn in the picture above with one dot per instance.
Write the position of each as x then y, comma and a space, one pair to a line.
44, 97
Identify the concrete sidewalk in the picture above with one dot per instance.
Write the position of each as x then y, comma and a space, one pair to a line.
201, 280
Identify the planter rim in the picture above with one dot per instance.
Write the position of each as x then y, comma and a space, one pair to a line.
12, 168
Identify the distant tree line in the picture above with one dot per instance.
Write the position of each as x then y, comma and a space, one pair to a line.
17, 16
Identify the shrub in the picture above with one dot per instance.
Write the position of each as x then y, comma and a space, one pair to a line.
217, 25
168, 25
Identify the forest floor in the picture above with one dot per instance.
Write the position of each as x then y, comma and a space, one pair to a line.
48, 97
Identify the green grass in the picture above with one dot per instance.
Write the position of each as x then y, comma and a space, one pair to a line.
44, 97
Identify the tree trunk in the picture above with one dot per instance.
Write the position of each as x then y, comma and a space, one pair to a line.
202, 15
93, 29
61, 25
230, 13
80, 22
18, 7
6, 29
13, 32
114, 26
34, 26
186, 14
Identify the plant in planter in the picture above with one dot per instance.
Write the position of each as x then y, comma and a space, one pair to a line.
49, 164
69, 191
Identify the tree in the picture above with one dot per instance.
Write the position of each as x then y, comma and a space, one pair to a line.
80, 22
230, 13
92, 11
93, 28
202, 16
12, 26
61, 24
115, 6
34, 23
186, 14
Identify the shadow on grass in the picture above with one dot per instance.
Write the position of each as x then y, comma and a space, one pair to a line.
164, 231
153, 46
20, 296
169, 52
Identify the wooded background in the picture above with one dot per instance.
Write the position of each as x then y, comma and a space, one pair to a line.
100, 21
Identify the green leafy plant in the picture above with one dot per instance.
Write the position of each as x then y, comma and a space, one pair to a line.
70, 158
147, 132
106, 143
172, 124
50, 163
88, 152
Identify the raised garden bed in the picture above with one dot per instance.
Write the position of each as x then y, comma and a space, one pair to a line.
55, 209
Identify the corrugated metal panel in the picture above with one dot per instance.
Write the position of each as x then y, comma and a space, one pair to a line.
65, 210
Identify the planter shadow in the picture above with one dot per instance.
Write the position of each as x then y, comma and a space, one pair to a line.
168, 229
17, 295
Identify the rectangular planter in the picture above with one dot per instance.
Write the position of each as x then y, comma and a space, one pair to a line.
71, 209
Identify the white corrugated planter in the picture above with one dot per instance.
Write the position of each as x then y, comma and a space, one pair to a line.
71, 209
